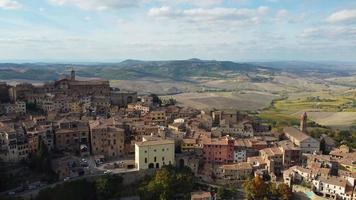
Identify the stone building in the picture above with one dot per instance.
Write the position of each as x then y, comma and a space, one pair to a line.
71, 134
4, 92
70, 85
13, 143
156, 117
274, 159
122, 98
238, 171
17, 108
107, 138
306, 143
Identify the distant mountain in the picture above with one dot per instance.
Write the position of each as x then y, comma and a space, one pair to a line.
340, 68
31, 74
178, 70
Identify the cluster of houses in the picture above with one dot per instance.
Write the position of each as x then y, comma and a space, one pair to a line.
83, 118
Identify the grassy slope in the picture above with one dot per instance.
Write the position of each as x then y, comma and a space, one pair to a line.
324, 108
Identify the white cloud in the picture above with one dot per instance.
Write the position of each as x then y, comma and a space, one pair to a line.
210, 14
282, 13
343, 16
330, 33
311, 33
199, 3
98, 4
9, 5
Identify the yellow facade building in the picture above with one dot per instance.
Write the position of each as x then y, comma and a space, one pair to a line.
154, 153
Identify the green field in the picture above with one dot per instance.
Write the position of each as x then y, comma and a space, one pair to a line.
328, 109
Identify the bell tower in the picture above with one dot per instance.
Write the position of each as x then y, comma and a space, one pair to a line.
72, 75
303, 122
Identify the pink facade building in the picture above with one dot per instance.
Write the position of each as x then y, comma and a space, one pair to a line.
219, 150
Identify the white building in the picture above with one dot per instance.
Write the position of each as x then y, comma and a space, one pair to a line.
333, 187
12, 147
239, 155
19, 107
154, 153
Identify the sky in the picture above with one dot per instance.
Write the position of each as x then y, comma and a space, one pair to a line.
238, 30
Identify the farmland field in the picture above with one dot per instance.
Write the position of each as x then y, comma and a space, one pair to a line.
334, 119
225, 100
335, 109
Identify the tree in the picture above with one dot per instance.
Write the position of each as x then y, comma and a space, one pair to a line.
273, 191
226, 193
40, 161
285, 191
168, 183
156, 100
75, 190
109, 186
257, 189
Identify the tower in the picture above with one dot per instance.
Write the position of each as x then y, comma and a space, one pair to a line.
72, 75
303, 122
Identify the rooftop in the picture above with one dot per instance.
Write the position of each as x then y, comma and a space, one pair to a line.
200, 195
154, 142
332, 180
237, 166
295, 133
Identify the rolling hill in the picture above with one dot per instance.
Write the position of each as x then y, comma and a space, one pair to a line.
179, 70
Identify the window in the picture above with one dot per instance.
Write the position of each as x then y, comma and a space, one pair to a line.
155, 159
145, 160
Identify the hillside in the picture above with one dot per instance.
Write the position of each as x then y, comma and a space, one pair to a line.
180, 70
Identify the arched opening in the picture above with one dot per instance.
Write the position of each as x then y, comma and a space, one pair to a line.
151, 166
181, 163
157, 165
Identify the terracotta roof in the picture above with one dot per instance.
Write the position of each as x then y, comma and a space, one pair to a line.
296, 134
272, 151
287, 145
238, 166
200, 195
154, 142
88, 83
332, 180
189, 141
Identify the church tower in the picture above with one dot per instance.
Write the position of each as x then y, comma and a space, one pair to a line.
303, 122
72, 75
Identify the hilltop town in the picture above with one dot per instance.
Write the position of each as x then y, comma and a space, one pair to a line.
74, 129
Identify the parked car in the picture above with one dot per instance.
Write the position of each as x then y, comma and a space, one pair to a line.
11, 193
